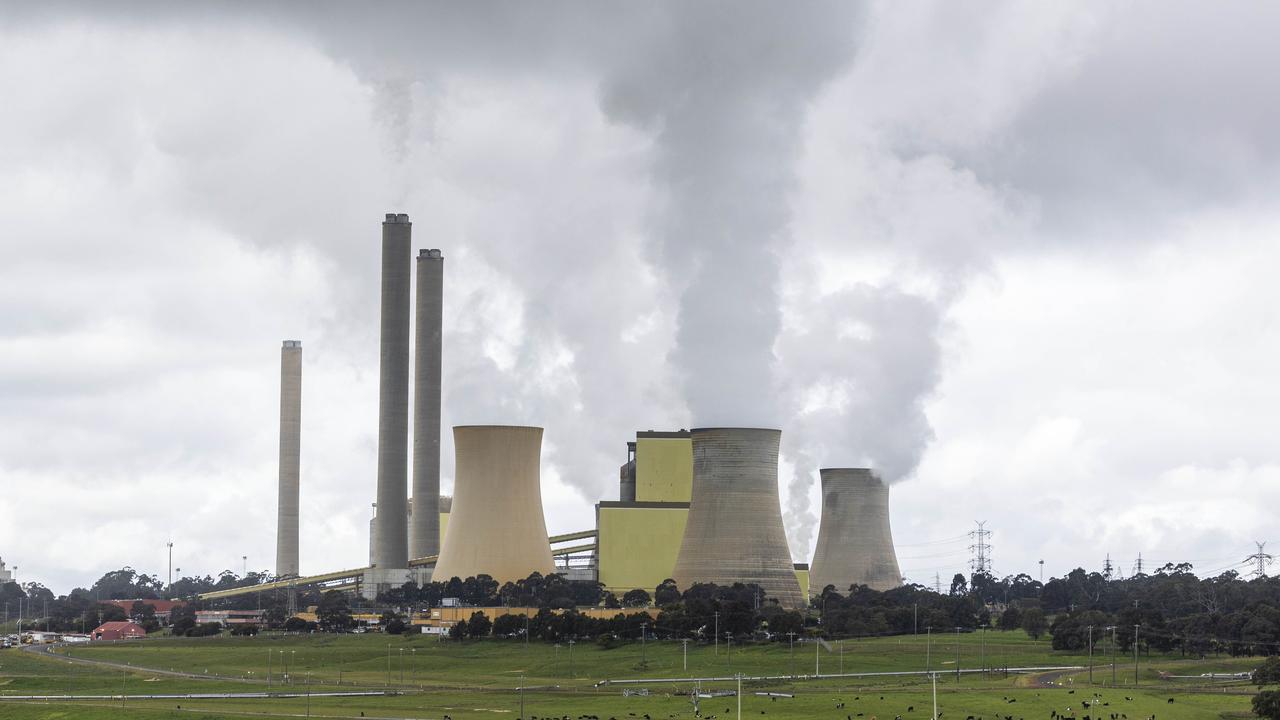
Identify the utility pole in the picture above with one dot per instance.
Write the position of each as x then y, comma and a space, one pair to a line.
1090, 654
643, 627
915, 618
1135, 655
1042, 574
170, 544
982, 648
1113, 655
928, 648
571, 642
245, 560
935, 696
716, 635
685, 647
792, 637
739, 696
957, 654
522, 694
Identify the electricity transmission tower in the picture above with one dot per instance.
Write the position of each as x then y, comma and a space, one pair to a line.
1261, 560
1137, 566
1107, 570
980, 563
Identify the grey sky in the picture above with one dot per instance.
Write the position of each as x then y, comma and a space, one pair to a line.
1018, 257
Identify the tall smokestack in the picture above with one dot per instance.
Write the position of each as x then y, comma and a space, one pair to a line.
734, 532
496, 525
855, 544
290, 452
391, 538
424, 531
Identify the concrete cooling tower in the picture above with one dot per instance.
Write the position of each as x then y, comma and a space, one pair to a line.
734, 532
855, 544
496, 526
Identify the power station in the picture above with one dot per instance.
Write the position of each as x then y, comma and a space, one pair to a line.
698, 506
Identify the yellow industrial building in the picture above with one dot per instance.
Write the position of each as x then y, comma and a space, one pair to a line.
639, 535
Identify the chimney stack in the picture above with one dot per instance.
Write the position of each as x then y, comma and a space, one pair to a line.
290, 452
424, 530
391, 539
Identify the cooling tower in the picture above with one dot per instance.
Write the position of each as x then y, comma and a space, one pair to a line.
855, 544
391, 538
734, 532
424, 527
290, 450
496, 525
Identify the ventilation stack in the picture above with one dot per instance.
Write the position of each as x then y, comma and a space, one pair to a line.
290, 452
734, 532
391, 532
855, 544
424, 526
496, 526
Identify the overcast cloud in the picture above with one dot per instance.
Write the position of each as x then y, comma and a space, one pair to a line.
1020, 258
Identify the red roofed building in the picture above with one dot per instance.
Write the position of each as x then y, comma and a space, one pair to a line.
164, 608
121, 630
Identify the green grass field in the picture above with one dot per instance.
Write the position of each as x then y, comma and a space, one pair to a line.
481, 679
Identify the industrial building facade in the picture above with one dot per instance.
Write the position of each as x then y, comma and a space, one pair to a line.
639, 536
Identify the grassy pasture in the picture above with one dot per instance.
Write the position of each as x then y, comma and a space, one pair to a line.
473, 680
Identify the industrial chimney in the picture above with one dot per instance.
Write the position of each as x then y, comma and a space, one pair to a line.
424, 525
855, 544
290, 451
734, 532
496, 526
391, 538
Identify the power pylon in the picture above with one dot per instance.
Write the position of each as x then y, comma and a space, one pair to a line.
980, 563
1261, 560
